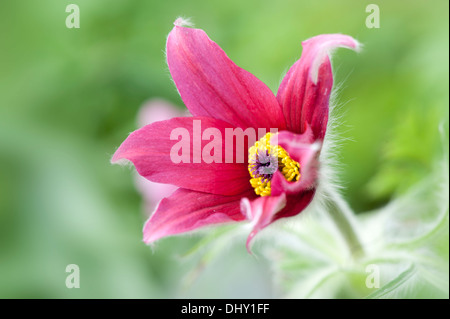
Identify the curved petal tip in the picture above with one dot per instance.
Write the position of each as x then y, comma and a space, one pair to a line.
117, 159
183, 22
261, 213
249, 241
320, 46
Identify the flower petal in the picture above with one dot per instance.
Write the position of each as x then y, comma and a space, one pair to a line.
261, 212
210, 84
187, 210
305, 91
296, 203
265, 210
151, 150
302, 150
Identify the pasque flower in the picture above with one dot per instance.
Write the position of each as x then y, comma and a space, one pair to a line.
280, 175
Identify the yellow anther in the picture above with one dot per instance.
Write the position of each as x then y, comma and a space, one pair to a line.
286, 165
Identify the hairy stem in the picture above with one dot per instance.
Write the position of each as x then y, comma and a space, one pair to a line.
344, 220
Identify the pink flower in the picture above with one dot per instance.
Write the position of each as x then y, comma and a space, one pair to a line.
221, 95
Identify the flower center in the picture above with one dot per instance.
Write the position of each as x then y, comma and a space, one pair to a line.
264, 160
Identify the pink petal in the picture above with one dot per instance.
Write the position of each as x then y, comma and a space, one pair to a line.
261, 212
265, 210
156, 110
296, 203
305, 90
149, 149
210, 84
187, 210
301, 149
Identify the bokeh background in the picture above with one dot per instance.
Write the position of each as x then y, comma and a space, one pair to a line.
69, 97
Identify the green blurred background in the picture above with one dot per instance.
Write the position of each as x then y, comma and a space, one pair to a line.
69, 97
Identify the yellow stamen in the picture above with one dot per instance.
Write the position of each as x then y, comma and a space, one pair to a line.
286, 165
